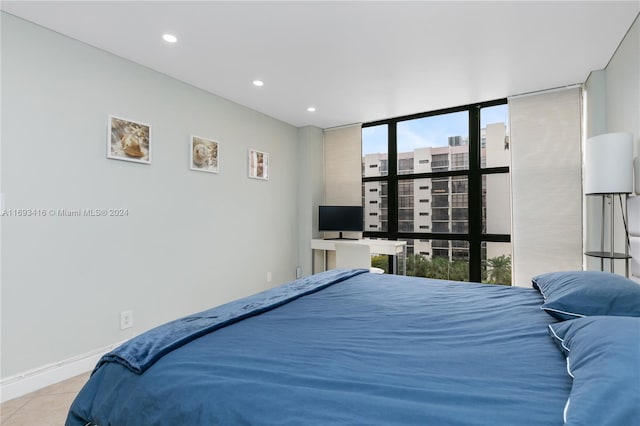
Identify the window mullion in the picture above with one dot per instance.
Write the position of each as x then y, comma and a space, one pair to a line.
475, 197
392, 188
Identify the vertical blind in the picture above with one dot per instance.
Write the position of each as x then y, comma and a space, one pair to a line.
546, 178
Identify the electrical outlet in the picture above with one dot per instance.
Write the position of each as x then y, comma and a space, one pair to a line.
126, 319
268, 277
298, 272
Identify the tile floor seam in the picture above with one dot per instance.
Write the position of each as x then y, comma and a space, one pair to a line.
16, 411
4, 421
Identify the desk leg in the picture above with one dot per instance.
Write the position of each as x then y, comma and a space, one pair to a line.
404, 260
313, 261
396, 260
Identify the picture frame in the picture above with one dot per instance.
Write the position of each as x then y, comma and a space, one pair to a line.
128, 140
258, 163
204, 154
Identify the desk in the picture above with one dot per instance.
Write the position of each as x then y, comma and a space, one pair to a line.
388, 247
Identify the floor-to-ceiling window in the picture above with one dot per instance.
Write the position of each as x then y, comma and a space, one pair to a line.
440, 181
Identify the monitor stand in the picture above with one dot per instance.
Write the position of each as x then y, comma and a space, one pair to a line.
342, 238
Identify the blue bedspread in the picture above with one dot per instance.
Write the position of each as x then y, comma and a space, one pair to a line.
371, 349
140, 353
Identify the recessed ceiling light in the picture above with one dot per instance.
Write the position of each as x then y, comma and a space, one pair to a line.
169, 38
258, 83
311, 109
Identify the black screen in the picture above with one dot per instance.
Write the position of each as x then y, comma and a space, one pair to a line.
341, 218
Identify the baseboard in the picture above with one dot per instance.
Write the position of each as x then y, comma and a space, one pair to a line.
41, 377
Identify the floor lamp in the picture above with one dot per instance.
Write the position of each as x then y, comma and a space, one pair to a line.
609, 172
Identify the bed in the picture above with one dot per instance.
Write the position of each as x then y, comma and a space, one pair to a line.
347, 347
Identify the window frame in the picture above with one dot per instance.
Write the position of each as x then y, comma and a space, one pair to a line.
475, 236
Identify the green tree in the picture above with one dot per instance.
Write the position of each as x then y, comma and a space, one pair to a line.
459, 271
381, 261
499, 270
417, 265
438, 268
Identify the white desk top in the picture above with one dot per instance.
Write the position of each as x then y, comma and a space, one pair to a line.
376, 246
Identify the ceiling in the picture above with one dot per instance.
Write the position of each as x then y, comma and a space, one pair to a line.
354, 61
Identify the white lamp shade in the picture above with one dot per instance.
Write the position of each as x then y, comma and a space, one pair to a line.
609, 164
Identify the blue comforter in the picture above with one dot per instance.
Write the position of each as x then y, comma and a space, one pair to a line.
140, 353
370, 349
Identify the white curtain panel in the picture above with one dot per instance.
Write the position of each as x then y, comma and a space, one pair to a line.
546, 173
342, 165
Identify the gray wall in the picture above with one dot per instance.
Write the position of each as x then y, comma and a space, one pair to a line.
191, 240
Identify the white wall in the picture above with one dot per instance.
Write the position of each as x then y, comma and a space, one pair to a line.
310, 191
613, 105
191, 240
595, 98
623, 86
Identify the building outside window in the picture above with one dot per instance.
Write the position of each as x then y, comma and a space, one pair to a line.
443, 176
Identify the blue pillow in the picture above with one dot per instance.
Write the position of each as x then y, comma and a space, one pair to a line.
575, 294
603, 358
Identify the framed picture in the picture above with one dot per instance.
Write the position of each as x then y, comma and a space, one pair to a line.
258, 164
129, 140
204, 155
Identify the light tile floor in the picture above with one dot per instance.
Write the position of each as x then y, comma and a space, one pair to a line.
45, 407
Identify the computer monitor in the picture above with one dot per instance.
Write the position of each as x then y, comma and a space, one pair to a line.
341, 219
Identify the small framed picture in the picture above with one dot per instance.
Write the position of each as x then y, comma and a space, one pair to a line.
258, 164
129, 140
204, 155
